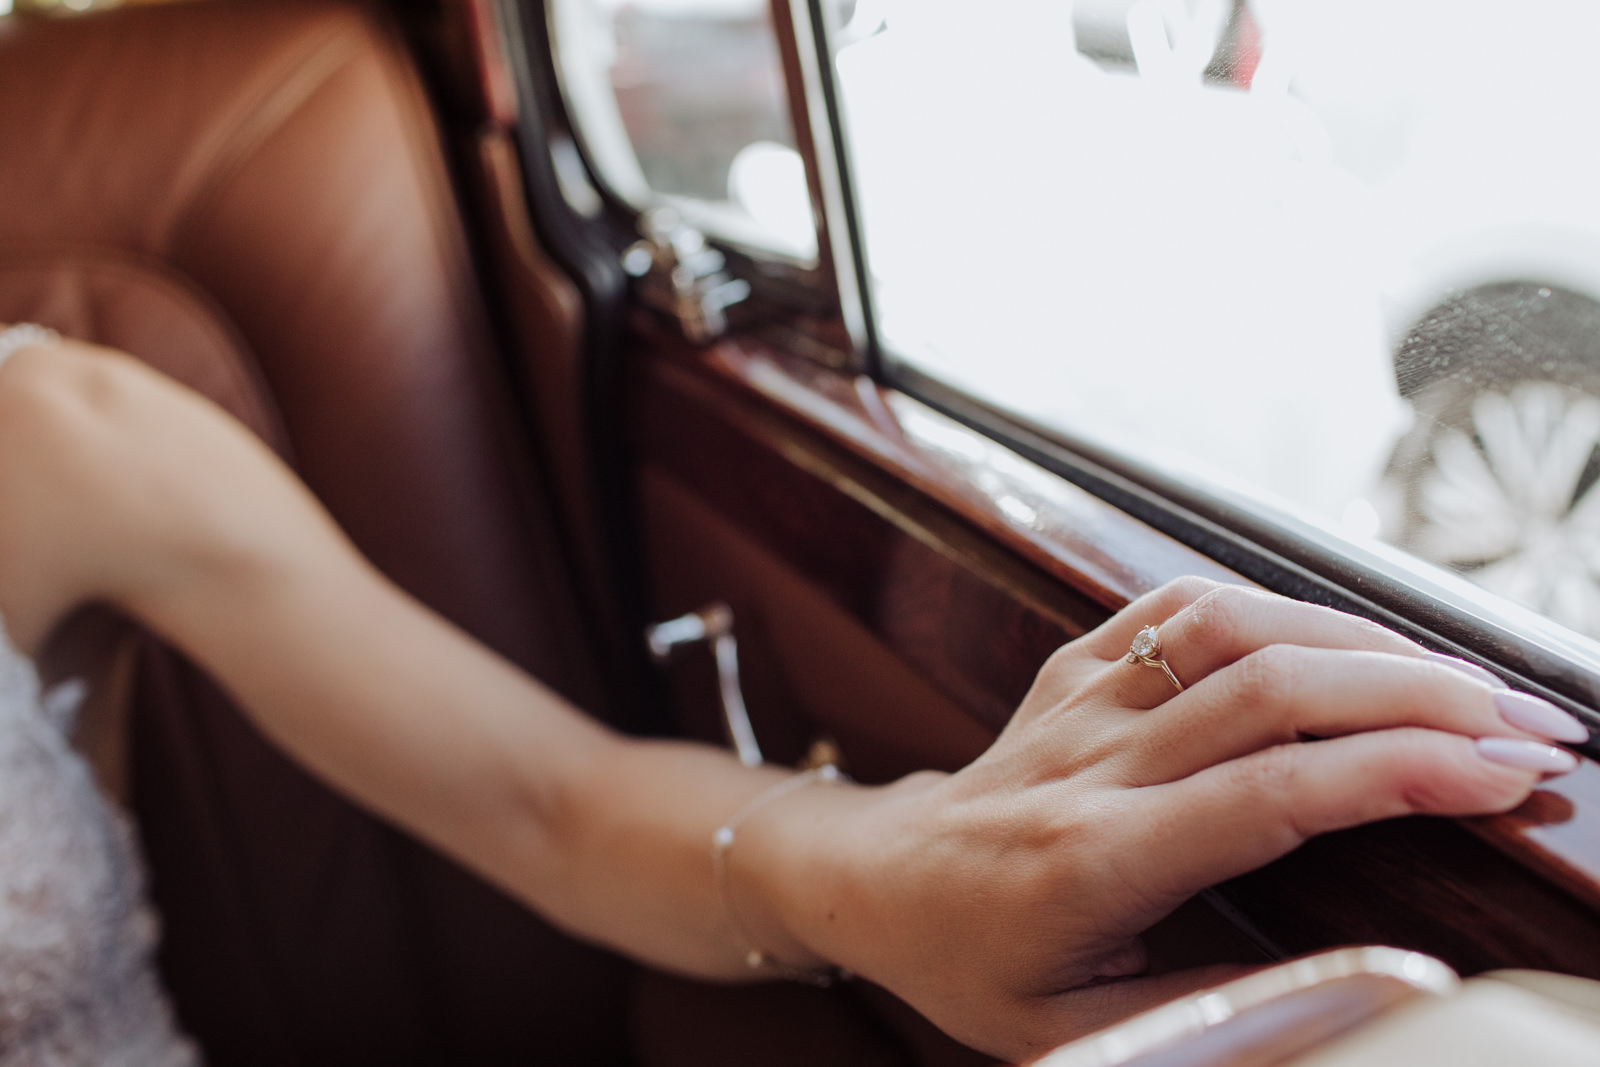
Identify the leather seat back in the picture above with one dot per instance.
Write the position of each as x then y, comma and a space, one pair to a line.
252, 198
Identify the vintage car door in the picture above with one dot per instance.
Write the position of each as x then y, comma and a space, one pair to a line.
811, 336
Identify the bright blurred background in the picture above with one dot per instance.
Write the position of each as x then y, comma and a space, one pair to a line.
1341, 257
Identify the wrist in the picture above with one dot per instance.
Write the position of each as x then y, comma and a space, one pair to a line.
789, 958
816, 868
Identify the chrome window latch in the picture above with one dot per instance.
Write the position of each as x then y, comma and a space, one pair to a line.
714, 624
676, 272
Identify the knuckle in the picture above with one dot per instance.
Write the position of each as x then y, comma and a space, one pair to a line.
1059, 670
1220, 612
1168, 599
1187, 590
1378, 636
1269, 677
1271, 778
1059, 685
1059, 660
1270, 775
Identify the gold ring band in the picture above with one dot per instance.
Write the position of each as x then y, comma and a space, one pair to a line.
1146, 649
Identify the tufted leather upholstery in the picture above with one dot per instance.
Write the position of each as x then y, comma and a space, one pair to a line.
250, 196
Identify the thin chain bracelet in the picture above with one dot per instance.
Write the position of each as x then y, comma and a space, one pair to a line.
14, 339
721, 841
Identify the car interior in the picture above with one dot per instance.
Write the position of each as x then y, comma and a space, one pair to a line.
353, 226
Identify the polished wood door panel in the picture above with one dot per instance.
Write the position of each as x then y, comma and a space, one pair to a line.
1425, 884
809, 667
976, 624
1557, 832
917, 539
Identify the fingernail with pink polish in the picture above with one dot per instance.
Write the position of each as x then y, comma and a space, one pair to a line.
1529, 755
1471, 670
1539, 717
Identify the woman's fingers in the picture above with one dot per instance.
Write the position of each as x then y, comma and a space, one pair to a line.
1111, 638
1228, 623
1283, 693
1238, 815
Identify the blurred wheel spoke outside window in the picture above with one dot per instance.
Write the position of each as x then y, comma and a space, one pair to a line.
682, 102
1341, 256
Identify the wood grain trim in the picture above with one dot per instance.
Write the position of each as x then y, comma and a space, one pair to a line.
1062, 553
1556, 832
1067, 532
877, 548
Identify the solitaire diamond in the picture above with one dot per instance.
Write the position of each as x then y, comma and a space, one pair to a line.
1146, 644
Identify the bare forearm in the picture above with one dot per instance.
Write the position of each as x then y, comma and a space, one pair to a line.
124, 487
606, 836
373, 692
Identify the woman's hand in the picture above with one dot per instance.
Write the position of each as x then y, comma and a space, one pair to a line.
1001, 900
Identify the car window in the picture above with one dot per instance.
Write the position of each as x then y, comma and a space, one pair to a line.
1338, 258
683, 102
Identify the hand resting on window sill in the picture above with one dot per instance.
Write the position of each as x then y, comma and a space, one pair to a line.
1004, 901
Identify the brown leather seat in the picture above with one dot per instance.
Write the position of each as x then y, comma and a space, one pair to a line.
252, 198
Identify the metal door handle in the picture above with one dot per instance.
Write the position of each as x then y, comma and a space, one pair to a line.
712, 623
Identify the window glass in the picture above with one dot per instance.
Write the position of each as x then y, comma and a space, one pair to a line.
1342, 256
683, 101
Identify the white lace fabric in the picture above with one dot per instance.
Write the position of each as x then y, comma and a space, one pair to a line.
78, 984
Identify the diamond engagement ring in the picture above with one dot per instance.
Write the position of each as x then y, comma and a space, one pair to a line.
1146, 649
14, 339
